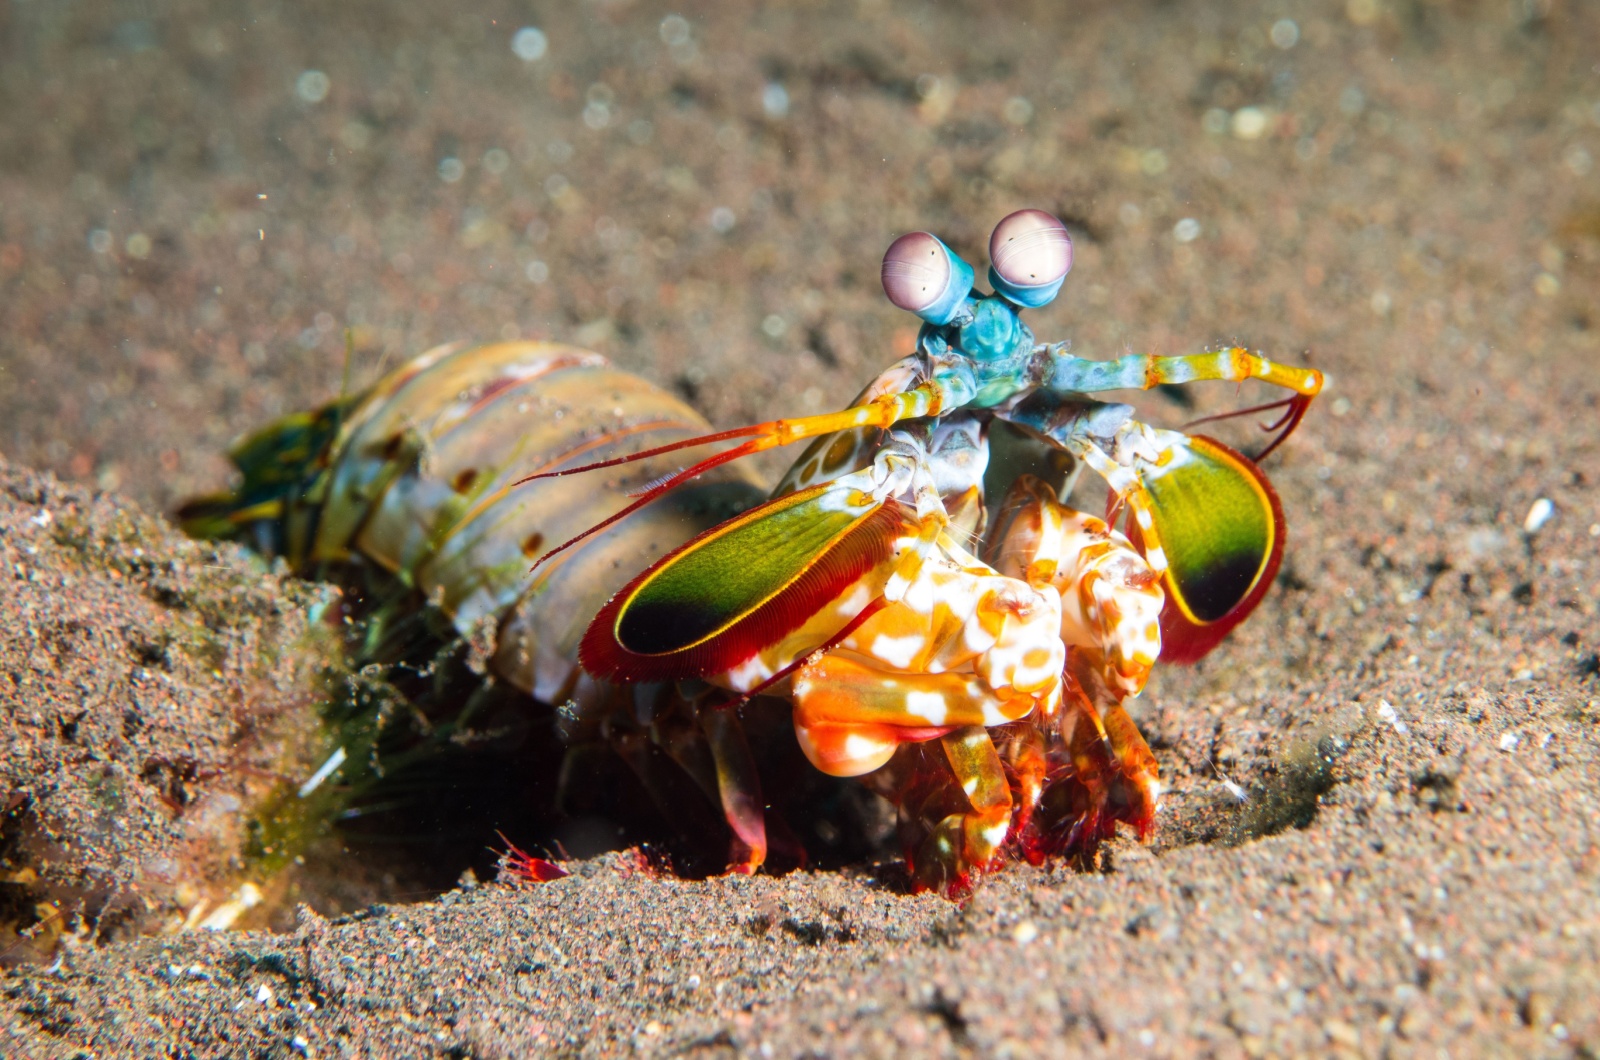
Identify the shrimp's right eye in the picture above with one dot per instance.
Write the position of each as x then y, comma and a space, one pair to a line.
1031, 253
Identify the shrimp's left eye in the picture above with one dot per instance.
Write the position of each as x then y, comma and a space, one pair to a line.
1031, 253
923, 276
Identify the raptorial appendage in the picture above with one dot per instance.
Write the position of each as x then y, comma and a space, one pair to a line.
963, 651
853, 599
1111, 605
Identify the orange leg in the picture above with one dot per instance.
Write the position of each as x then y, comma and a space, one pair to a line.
1023, 749
739, 787
1111, 763
1137, 788
968, 842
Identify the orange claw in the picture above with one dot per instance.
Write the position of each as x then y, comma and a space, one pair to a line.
1109, 777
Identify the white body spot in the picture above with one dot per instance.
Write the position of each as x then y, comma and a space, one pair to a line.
929, 706
897, 651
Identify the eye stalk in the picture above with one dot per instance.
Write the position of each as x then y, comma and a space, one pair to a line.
923, 276
1031, 253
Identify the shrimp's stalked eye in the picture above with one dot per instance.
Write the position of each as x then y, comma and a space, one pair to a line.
923, 276
1031, 252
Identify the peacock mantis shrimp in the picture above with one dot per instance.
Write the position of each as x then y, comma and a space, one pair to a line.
975, 668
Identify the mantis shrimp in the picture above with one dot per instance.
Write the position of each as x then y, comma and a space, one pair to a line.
866, 645
973, 667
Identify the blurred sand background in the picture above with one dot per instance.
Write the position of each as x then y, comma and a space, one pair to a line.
196, 200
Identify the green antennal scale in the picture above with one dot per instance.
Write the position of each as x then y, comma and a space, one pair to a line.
1222, 527
713, 603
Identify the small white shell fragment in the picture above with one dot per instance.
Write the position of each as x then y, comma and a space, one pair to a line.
314, 781
1539, 513
1391, 717
1509, 741
1236, 790
1025, 932
248, 896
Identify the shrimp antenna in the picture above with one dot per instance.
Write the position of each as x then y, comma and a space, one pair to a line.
1294, 411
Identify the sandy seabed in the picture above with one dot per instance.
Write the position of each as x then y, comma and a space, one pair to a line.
1402, 194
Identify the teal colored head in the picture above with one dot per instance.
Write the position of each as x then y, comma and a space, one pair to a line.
995, 332
1031, 253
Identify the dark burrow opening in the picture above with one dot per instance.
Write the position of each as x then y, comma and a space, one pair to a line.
449, 767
